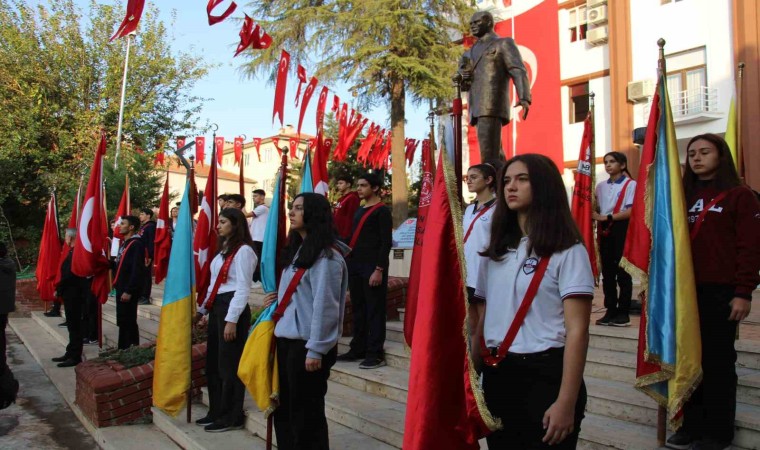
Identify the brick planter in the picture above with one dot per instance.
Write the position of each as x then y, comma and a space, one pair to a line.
109, 394
395, 299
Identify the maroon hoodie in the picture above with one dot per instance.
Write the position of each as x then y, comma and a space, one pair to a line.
726, 250
343, 217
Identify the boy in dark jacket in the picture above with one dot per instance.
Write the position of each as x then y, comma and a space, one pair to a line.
73, 290
128, 279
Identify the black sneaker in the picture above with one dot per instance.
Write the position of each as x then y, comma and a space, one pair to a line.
60, 358
372, 363
52, 313
204, 421
605, 321
86, 341
350, 356
680, 441
220, 427
143, 301
621, 320
69, 363
63, 324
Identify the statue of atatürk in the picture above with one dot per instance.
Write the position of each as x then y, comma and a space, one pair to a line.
486, 69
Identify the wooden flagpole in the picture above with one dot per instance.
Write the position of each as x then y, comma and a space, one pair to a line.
739, 152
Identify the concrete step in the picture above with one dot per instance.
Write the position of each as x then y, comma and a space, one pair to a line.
61, 334
42, 337
148, 327
396, 353
341, 437
192, 437
604, 433
384, 382
394, 331
401, 312
256, 297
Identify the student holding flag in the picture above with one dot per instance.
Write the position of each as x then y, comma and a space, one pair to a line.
724, 216
312, 299
229, 318
481, 179
615, 197
534, 355
128, 280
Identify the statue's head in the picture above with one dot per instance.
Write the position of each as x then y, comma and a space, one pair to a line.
481, 23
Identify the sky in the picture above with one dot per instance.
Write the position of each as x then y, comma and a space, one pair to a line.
243, 105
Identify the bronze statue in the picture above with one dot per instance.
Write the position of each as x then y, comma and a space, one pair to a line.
486, 69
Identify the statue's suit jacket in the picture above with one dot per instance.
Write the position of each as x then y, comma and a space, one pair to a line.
494, 61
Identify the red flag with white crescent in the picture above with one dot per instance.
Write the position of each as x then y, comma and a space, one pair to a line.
91, 248
257, 146
276, 142
180, 143
200, 150
279, 91
293, 144
131, 19
246, 34
204, 241
582, 203
238, 147
163, 240
335, 104
319, 175
49, 255
123, 210
260, 39
305, 101
219, 142
301, 80
212, 19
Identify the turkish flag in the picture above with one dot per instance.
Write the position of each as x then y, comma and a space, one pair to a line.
293, 143
200, 150
440, 359
426, 195
91, 248
305, 101
219, 143
131, 19
49, 255
245, 35
158, 160
583, 192
319, 175
238, 147
257, 146
124, 210
213, 20
279, 91
276, 142
163, 240
180, 143
204, 241
301, 80
260, 39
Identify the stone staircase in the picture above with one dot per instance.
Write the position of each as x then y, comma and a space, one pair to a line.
365, 408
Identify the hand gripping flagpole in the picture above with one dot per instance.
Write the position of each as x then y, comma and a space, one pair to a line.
121, 103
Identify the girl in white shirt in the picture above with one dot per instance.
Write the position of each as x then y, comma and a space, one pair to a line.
229, 319
532, 384
615, 199
481, 179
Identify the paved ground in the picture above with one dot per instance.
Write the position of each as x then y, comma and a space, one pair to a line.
40, 419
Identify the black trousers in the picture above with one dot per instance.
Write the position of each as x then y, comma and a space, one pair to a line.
611, 251
257, 247
3, 342
225, 390
73, 306
126, 320
90, 316
519, 391
147, 282
368, 309
489, 139
711, 410
299, 421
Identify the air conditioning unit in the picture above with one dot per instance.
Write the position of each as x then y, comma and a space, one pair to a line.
597, 15
597, 36
593, 3
640, 91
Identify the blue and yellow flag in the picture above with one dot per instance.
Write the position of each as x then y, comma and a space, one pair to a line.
658, 252
258, 364
172, 368
307, 183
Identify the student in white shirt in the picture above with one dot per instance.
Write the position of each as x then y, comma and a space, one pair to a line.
229, 319
481, 179
615, 199
535, 385
259, 217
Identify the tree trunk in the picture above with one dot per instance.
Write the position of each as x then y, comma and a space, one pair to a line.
398, 160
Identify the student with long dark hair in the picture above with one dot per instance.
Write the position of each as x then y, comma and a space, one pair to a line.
533, 371
615, 199
724, 217
226, 303
313, 292
481, 179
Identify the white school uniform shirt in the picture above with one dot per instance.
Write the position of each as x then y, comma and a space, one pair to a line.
259, 222
239, 280
607, 193
478, 240
503, 285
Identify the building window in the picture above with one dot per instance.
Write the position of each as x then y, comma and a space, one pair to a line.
579, 102
578, 25
268, 155
247, 159
687, 82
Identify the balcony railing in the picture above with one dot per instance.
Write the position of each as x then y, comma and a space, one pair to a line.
691, 102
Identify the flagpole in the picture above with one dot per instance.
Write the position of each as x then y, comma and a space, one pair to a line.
121, 103
431, 137
739, 153
457, 115
592, 160
242, 170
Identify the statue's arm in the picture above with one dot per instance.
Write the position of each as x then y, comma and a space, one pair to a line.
465, 70
517, 71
